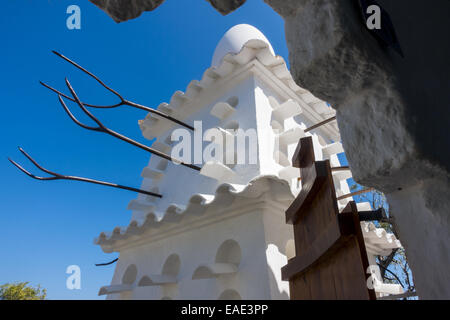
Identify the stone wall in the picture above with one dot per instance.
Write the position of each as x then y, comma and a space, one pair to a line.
392, 112
123, 10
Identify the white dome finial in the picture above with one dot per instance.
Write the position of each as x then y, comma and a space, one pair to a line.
234, 39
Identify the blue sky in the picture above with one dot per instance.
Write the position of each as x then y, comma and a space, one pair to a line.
47, 226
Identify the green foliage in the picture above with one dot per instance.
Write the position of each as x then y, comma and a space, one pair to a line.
21, 291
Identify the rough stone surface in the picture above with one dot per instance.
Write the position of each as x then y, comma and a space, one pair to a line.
225, 7
393, 112
123, 10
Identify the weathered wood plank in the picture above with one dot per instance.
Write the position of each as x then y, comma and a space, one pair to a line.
331, 260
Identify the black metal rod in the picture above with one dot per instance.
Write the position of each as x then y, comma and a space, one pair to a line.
122, 102
107, 263
57, 176
320, 124
104, 129
356, 193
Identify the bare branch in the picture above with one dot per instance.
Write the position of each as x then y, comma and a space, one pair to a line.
393, 274
57, 176
386, 262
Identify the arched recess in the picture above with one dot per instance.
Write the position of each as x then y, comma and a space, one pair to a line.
130, 274
233, 101
229, 252
227, 261
230, 294
124, 288
172, 265
169, 273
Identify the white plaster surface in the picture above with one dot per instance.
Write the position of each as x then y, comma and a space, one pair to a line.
198, 213
234, 39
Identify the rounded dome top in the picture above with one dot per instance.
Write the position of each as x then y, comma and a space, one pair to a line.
234, 39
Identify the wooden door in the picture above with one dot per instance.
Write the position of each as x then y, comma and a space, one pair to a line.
331, 260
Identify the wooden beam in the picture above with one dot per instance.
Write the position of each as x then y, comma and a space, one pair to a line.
356, 193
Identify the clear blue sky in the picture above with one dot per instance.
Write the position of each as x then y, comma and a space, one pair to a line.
47, 226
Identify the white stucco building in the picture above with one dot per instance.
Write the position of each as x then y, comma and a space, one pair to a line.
221, 233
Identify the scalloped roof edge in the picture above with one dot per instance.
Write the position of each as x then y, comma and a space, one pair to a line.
198, 204
251, 49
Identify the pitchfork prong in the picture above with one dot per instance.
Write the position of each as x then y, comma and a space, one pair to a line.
90, 74
80, 104
18, 166
57, 176
74, 119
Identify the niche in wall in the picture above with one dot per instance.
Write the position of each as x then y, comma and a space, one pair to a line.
230, 294
227, 261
